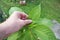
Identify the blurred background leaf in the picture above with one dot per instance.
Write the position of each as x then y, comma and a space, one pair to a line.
51, 9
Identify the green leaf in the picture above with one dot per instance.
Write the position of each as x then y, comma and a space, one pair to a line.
43, 32
34, 31
38, 32
14, 36
26, 35
49, 10
14, 9
35, 13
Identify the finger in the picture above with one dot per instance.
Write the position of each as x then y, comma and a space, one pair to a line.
21, 15
27, 22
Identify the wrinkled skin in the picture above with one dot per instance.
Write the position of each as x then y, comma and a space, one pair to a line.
14, 23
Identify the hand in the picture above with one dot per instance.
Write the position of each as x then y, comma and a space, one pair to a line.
15, 22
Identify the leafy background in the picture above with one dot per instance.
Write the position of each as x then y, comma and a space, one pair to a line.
49, 8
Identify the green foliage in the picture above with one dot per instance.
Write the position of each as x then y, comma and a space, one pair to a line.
46, 22
51, 9
1, 17
34, 12
14, 9
39, 28
34, 31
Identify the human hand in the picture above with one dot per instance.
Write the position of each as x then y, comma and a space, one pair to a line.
15, 22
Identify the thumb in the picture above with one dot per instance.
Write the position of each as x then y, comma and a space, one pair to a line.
27, 22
